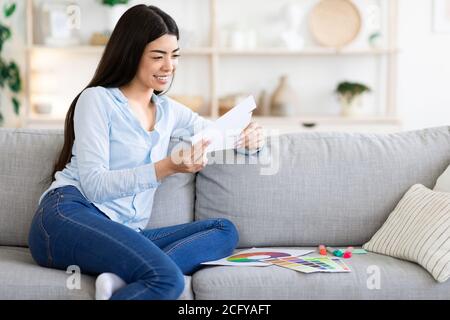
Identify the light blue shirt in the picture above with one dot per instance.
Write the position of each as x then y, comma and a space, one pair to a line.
113, 156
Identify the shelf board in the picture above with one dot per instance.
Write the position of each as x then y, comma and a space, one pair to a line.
87, 49
197, 51
322, 119
327, 119
99, 50
37, 118
307, 52
69, 49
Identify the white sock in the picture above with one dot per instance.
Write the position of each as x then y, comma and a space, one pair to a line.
106, 284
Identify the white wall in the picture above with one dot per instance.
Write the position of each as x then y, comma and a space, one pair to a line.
424, 67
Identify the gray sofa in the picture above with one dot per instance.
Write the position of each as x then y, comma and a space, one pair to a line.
302, 190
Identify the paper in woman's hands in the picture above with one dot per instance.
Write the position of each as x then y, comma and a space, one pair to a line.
225, 131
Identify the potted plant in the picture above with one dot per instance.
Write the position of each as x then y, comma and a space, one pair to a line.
350, 94
9, 70
116, 9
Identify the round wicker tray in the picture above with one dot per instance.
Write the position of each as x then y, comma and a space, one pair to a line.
335, 23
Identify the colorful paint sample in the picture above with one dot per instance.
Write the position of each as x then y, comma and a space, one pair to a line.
291, 265
310, 264
256, 256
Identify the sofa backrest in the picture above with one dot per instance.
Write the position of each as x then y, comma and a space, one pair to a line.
329, 188
26, 159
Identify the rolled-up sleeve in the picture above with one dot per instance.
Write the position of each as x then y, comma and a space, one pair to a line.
187, 122
92, 145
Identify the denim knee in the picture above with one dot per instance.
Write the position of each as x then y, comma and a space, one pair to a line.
39, 241
176, 280
232, 232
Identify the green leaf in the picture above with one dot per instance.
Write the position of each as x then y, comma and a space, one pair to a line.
14, 81
2, 73
1, 118
5, 34
351, 89
114, 2
8, 10
16, 105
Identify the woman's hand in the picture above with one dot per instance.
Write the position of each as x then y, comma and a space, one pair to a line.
252, 137
190, 160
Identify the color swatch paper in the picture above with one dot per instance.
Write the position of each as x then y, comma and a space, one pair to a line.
310, 264
254, 257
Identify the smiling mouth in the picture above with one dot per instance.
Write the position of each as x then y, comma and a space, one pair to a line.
162, 78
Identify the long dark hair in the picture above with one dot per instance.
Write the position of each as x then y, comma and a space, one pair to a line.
137, 27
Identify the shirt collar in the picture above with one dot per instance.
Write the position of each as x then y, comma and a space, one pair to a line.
122, 99
118, 94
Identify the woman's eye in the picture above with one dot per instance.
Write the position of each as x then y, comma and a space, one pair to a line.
176, 56
157, 58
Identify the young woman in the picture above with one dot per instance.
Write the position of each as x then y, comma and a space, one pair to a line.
116, 139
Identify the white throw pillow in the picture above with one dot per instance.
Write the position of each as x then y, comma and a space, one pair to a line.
418, 230
443, 182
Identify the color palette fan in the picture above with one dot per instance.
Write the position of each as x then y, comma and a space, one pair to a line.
256, 256
310, 264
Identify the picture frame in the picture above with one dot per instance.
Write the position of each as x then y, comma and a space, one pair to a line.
441, 16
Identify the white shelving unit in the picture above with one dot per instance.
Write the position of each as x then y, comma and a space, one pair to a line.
216, 55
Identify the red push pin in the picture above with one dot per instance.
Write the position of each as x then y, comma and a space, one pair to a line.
348, 253
322, 250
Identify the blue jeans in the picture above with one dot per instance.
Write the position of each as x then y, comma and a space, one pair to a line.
69, 230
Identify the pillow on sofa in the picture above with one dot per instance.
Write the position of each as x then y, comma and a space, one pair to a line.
443, 182
418, 230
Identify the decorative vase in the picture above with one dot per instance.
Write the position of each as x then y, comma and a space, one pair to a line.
284, 100
114, 14
43, 108
350, 107
293, 16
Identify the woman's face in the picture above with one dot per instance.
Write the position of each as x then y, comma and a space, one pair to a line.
158, 63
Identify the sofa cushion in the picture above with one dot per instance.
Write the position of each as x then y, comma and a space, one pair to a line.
21, 278
26, 159
443, 182
174, 199
418, 230
329, 188
373, 276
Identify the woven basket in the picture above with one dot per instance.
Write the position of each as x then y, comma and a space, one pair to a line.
335, 23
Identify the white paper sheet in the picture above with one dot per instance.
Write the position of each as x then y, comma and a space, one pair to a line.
226, 262
225, 131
